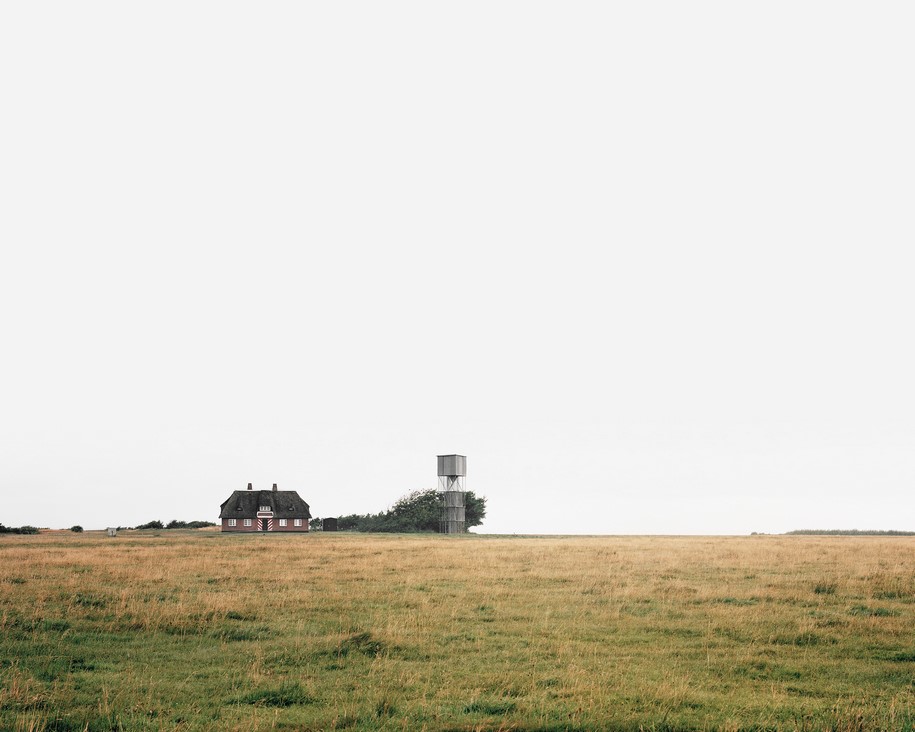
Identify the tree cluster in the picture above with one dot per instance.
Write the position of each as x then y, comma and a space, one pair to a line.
848, 532
175, 524
415, 512
18, 529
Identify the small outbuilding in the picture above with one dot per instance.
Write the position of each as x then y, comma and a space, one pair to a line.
272, 510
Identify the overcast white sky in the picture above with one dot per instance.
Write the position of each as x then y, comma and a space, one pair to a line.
649, 265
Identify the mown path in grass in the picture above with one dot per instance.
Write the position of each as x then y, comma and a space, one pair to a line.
199, 630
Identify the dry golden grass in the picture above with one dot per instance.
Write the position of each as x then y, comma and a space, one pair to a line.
198, 630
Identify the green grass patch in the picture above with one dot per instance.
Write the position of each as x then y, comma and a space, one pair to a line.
286, 695
232, 634
873, 612
89, 600
361, 643
490, 708
738, 601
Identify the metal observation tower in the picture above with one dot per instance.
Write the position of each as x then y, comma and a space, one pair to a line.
451, 472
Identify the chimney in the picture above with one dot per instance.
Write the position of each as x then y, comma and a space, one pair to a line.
274, 487
249, 487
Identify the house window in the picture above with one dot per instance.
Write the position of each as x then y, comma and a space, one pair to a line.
247, 522
231, 522
298, 522
282, 522
264, 508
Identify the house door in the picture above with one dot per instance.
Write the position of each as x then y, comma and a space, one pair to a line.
263, 524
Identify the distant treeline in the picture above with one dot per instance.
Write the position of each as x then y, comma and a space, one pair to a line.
173, 524
418, 511
18, 529
850, 532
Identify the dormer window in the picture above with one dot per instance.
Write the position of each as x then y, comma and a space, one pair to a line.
264, 508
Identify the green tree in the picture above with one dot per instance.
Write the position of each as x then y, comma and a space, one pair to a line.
416, 511
156, 524
474, 509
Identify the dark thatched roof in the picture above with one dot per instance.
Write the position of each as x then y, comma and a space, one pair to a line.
245, 504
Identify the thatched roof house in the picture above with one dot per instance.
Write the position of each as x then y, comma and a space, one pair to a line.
272, 510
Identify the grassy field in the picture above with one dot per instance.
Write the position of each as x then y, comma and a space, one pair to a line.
198, 630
